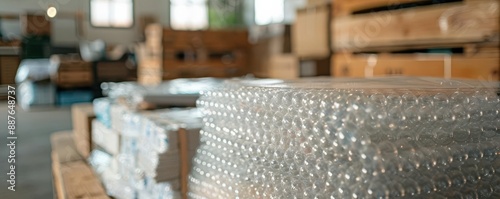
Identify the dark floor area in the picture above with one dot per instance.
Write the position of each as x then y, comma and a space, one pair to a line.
33, 163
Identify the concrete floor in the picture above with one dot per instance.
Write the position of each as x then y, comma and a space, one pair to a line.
33, 163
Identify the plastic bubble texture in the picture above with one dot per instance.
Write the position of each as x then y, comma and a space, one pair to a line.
349, 138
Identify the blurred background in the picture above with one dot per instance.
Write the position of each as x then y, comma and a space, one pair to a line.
59, 52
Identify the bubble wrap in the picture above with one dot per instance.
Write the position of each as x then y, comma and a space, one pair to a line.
102, 110
349, 138
178, 92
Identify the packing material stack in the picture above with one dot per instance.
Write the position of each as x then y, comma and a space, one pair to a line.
141, 151
349, 138
144, 154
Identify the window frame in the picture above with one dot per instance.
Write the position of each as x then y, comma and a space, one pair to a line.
112, 27
254, 14
170, 18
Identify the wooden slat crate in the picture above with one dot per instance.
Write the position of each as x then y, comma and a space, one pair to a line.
187, 63
72, 71
209, 39
472, 21
73, 178
208, 53
200, 71
474, 63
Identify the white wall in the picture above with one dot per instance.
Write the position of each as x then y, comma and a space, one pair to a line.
290, 10
64, 29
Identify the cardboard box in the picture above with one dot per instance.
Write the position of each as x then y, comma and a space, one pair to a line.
82, 116
265, 48
106, 138
311, 32
150, 66
285, 66
149, 76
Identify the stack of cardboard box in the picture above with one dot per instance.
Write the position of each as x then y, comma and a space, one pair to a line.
149, 54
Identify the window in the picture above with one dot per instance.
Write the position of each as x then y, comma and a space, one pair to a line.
269, 11
112, 13
188, 14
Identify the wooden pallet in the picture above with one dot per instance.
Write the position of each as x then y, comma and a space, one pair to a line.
472, 21
72, 176
206, 39
474, 63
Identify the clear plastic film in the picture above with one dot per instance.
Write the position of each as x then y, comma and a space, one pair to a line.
174, 92
102, 110
349, 138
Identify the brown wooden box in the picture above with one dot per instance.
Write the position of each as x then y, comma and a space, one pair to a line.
8, 69
472, 21
36, 25
482, 63
72, 71
188, 63
209, 39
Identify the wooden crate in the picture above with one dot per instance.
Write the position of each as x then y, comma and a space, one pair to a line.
210, 53
8, 69
186, 63
471, 21
72, 176
113, 71
72, 71
474, 63
202, 71
149, 65
36, 25
209, 39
